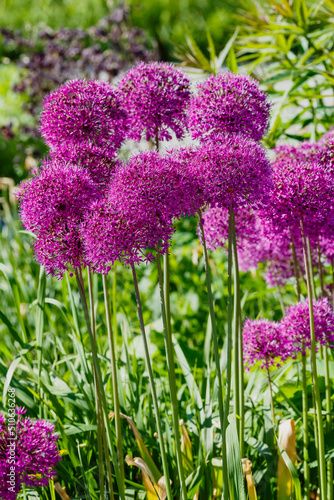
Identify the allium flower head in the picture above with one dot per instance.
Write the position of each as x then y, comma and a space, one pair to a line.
229, 103
215, 223
52, 205
326, 153
100, 163
84, 111
301, 191
296, 324
264, 341
234, 172
304, 152
120, 232
137, 214
33, 458
155, 96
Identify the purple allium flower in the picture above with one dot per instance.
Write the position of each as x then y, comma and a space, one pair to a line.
305, 151
155, 96
265, 341
215, 223
301, 191
84, 111
30, 458
100, 163
229, 103
137, 214
52, 205
296, 324
234, 172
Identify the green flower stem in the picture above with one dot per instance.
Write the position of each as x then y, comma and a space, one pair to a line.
304, 392
153, 388
99, 416
229, 327
115, 396
167, 290
171, 377
318, 408
328, 422
271, 400
238, 359
305, 432
216, 356
101, 387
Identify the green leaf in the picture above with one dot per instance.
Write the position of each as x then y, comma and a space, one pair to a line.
234, 465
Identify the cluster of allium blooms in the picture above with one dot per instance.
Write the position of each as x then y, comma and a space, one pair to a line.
305, 151
137, 214
229, 103
232, 172
52, 204
156, 96
33, 458
99, 162
84, 111
296, 324
302, 191
265, 341
215, 223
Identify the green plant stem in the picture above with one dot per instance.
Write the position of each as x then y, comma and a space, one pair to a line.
238, 360
114, 299
171, 376
101, 388
271, 400
304, 392
305, 432
167, 290
99, 416
229, 326
152, 384
328, 421
115, 396
216, 356
318, 408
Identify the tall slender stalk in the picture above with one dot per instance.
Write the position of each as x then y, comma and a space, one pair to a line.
304, 392
99, 416
271, 399
305, 432
115, 396
229, 326
100, 383
239, 404
167, 290
327, 387
152, 384
318, 408
216, 356
171, 377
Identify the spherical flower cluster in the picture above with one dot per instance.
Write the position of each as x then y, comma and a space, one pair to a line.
301, 192
265, 341
234, 172
52, 205
296, 324
84, 111
137, 214
229, 103
326, 153
303, 152
215, 223
33, 459
156, 96
100, 163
